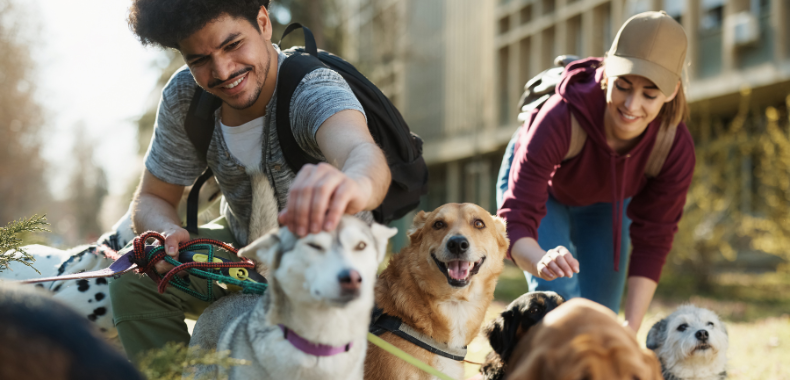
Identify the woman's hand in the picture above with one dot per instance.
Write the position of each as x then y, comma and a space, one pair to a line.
557, 262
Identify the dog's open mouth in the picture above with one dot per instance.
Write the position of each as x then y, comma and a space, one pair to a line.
459, 272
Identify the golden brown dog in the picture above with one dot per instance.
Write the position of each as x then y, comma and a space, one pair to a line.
581, 339
440, 285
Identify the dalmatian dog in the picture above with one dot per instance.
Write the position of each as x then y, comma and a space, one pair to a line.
90, 297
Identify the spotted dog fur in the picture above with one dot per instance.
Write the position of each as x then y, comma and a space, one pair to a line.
88, 297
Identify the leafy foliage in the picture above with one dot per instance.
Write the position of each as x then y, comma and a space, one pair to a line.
11, 245
169, 362
22, 169
739, 199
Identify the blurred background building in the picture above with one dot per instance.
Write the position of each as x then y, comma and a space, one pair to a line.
456, 69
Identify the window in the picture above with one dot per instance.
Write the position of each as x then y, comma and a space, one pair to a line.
525, 14
710, 38
524, 65
548, 6
675, 8
504, 25
502, 84
574, 43
634, 7
549, 49
712, 14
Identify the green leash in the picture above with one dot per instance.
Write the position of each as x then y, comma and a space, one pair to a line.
386, 346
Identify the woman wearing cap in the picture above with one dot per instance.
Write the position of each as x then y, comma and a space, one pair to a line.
571, 222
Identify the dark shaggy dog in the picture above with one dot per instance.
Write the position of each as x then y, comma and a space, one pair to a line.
506, 331
43, 339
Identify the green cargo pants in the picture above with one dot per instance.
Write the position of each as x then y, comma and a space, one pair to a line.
146, 319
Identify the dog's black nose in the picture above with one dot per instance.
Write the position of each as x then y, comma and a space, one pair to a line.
702, 335
350, 280
457, 244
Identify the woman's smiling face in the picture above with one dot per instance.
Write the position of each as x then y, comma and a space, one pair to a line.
632, 102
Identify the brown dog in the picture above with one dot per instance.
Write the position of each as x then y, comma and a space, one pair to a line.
440, 286
581, 339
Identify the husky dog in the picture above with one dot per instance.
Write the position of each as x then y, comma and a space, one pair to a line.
691, 344
312, 322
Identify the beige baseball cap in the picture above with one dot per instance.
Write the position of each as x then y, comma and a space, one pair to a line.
652, 45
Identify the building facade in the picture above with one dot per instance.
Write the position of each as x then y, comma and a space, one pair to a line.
456, 68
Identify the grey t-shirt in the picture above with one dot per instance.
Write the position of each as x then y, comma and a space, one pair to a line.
172, 158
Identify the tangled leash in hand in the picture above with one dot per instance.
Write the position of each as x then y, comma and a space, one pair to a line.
211, 270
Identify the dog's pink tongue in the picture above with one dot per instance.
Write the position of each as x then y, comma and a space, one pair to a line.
458, 270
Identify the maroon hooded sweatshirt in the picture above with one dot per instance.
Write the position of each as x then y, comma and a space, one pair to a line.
597, 173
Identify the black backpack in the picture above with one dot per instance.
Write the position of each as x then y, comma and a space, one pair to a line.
402, 148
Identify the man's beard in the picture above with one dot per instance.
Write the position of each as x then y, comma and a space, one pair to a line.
256, 92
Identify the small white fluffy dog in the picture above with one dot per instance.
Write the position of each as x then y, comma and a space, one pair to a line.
691, 344
312, 322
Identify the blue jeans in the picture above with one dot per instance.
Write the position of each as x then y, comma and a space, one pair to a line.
587, 233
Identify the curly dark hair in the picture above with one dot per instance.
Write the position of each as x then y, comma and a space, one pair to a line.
165, 22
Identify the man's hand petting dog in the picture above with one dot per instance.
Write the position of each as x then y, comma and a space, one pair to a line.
557, 262
173, 237
320, 195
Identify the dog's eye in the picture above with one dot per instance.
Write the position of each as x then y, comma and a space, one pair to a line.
360, 246
710, 324
534, 310
438, 225
683, 327
479, 224
316, 246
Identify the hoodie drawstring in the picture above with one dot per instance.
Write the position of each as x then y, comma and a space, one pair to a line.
617, 209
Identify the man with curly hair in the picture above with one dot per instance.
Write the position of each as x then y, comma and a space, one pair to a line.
228, 50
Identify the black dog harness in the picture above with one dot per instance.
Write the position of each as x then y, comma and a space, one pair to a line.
381, 323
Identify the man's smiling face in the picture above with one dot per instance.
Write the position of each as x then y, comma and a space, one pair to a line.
231, 58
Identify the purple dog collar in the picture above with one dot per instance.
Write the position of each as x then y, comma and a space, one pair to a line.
311, 348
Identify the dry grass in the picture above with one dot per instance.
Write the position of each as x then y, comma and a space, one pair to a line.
755, 307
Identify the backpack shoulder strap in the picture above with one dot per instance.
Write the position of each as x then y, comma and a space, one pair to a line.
664, 140
199, 122
292, 71
199, 125
578, 137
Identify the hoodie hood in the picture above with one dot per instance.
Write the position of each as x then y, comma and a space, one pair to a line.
580, 88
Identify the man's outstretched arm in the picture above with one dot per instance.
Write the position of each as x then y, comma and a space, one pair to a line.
355, 178
154, 209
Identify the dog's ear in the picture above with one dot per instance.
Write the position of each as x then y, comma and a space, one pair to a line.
657, 335
501, 333
501, 229
382, 234
264, 250
415, 231
495, 331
